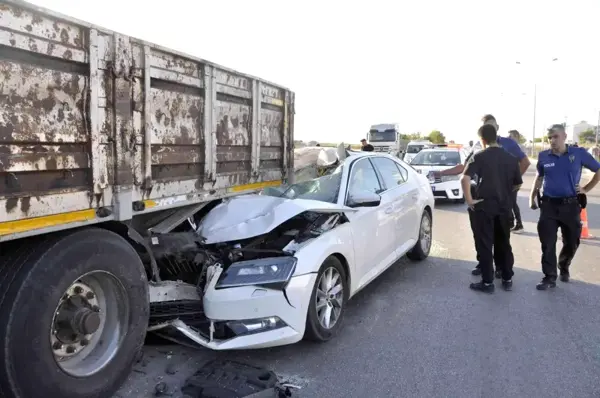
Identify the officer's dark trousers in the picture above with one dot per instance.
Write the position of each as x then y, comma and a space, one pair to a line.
492, 242
554, 214
516, 212
473, 229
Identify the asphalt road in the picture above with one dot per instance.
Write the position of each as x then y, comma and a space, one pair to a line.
418, 331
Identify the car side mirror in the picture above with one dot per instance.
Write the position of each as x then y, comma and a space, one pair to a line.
364, 199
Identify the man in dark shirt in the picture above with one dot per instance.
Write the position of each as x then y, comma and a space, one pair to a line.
496, 174
558, 174
366, 147
509, 146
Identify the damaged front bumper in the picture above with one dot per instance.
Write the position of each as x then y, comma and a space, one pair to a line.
248, 317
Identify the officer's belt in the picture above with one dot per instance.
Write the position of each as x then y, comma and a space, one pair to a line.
560, 201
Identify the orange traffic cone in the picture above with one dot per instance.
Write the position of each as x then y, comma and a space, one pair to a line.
585, 231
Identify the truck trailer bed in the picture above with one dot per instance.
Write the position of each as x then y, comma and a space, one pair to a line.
98, 126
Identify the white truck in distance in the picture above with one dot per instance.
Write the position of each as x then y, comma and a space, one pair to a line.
385, 138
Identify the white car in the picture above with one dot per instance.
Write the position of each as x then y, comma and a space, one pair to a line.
437, 159
304, 253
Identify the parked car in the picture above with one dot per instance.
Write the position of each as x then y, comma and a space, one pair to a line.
307, 251
437, 159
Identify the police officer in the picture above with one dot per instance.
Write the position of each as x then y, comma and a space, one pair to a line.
510, 146
497, 175
558, 174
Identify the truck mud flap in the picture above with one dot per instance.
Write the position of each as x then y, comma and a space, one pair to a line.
231, 379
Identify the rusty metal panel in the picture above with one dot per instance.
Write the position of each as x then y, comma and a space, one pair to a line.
91, 118
33, 32
272, 115
234, 127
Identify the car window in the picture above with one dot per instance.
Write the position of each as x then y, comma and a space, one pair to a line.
403, 172
363, 178
392, 177
324, 188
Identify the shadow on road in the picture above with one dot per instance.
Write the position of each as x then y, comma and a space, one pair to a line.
420, 330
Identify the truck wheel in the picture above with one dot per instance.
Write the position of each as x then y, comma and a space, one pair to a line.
73, 315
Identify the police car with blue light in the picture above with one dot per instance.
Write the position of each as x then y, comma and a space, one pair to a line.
438, 158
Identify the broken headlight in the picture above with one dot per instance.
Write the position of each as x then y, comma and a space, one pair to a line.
273, 272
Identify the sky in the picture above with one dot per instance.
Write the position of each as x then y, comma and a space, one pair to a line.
427, 64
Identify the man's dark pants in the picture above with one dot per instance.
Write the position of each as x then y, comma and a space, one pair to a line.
555, 213
471, 220
515, 215
492, 242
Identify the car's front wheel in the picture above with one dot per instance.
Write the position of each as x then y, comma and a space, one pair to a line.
421, 250
327, 302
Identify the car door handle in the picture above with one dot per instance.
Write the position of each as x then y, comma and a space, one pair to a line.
389, 210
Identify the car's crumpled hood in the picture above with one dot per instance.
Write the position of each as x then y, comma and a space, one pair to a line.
247, 216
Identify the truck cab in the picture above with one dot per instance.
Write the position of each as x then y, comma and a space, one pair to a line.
385, 138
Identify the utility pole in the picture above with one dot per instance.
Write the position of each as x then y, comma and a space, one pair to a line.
535, 111
534, 116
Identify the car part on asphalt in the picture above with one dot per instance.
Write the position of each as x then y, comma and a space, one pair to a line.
80, 309
232, 379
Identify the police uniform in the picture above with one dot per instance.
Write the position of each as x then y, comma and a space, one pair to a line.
560, 207
513, 148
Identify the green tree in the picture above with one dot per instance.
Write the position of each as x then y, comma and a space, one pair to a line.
436, 137
415, 136
587, 136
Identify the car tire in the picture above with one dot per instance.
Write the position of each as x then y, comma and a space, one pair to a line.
423, 246
315, 330
42, 278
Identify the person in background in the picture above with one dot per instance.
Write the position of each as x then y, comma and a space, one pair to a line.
496, 174
558, 175
509, 146
516, 223
470, 145
364, 146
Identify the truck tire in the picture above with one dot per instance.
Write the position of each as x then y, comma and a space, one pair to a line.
81, 296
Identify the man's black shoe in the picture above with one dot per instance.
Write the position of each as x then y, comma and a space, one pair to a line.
483, 287
507, 285
498, 274
546, 284
476, 271
517, 228
565, 278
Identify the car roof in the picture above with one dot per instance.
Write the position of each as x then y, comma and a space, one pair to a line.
367, 154
440, 148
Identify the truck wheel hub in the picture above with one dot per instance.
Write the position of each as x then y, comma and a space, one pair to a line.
76, 319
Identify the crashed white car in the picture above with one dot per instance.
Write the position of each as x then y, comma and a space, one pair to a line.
281, 268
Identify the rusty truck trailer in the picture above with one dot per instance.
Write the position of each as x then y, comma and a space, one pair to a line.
98, 126
106, 139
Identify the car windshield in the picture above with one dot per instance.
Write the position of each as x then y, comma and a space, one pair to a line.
414, 148
437, 158
382, 136
324, 189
